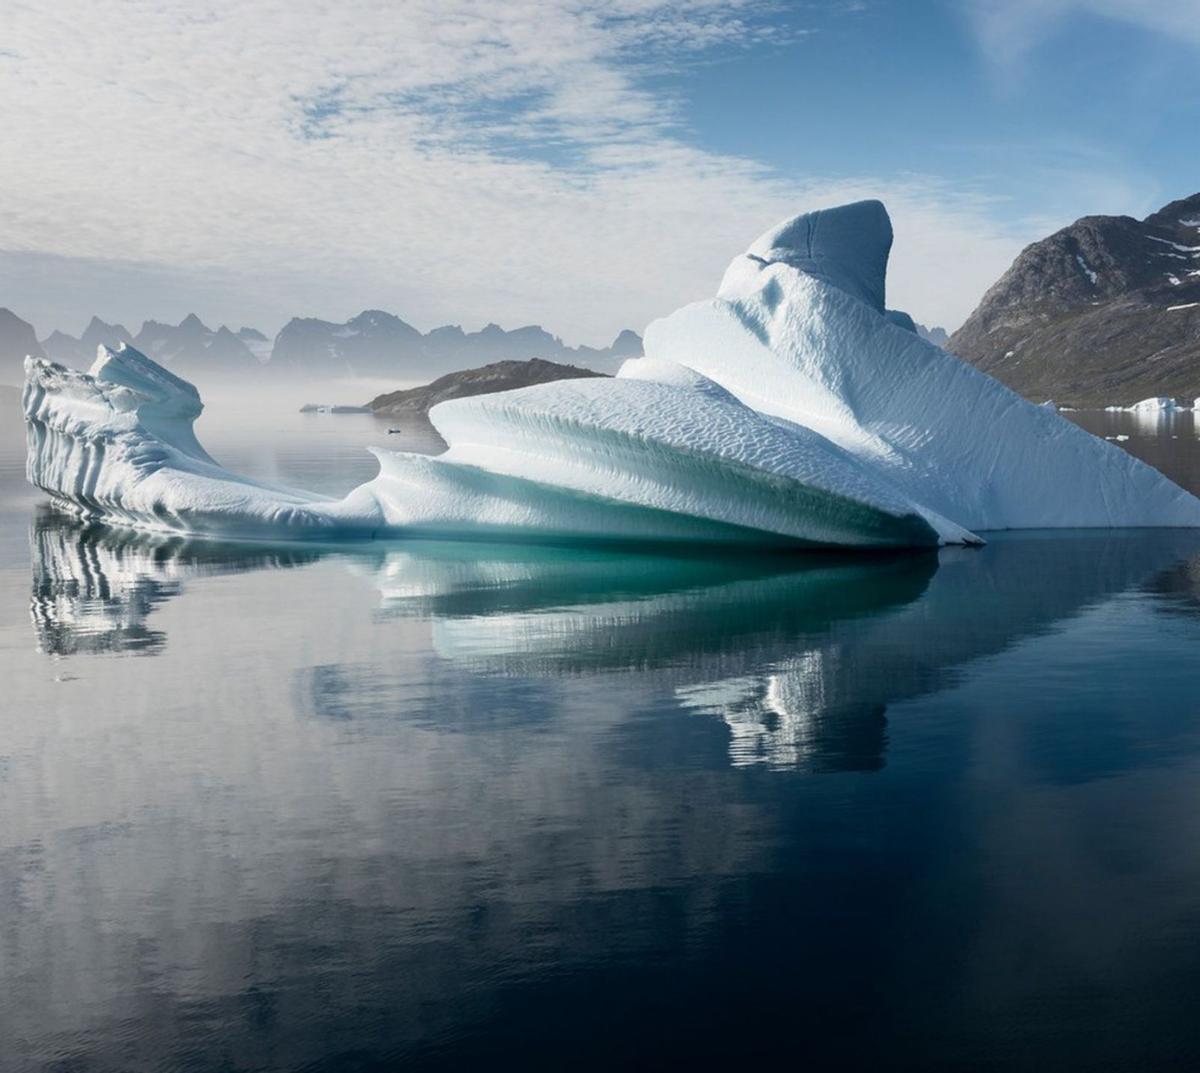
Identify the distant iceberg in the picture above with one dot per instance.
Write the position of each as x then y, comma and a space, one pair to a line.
1160, 404
792, 409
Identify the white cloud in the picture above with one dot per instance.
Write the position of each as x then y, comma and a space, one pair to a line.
447, 160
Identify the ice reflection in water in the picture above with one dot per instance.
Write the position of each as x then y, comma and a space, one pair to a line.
95, 588
790, 721
800, 656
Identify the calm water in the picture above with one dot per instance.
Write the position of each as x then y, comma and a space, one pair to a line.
437, 805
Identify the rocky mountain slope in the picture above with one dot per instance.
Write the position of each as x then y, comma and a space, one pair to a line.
1106, 311
415, 403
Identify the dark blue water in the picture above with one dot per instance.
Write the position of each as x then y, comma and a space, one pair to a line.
436, 806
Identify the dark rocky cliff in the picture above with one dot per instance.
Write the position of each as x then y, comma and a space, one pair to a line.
1104, 311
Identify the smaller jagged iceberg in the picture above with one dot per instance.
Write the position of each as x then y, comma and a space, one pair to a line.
792, 409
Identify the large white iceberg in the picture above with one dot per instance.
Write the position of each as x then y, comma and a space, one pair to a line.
793, 408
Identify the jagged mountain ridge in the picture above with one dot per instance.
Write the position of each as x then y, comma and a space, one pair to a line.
373, 344
379, 344
1105, 311
189, 348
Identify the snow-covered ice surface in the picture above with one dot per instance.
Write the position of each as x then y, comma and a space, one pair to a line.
794, 408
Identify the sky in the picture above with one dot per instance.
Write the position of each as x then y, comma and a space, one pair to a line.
587, 165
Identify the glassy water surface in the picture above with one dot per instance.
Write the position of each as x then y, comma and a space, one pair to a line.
435, 805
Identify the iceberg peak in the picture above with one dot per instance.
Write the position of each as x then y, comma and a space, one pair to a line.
846, 247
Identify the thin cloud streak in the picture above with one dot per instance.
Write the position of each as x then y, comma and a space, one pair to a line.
1009, 29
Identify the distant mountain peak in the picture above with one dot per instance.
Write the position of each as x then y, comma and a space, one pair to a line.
936, 335
98, 325
628, 344
378, 318
379, 344
17, 341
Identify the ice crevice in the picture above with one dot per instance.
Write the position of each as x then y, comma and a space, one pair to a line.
792, 409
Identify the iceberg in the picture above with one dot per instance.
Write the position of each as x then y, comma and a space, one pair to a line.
793, 409
1159, 405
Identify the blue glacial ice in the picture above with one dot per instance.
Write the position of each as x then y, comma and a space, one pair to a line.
792, 409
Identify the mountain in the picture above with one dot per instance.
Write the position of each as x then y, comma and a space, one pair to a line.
188, 348
65, 349
257, 343
374, 344
378, 344
936, 336
81, 352
1106, 311
17, 339
192, 349
415, 403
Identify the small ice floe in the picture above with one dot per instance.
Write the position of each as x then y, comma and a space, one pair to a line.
1050, 404
1120, 438
1174, 280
